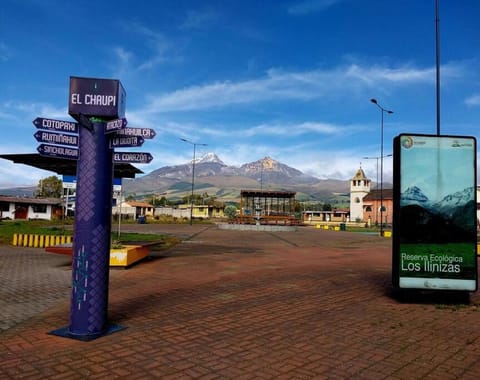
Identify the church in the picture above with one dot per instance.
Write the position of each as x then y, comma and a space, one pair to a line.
365, 203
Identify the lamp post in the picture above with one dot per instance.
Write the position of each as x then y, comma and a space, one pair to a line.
382, 111
377, 158
193, 175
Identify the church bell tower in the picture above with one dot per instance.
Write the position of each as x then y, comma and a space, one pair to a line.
359, 188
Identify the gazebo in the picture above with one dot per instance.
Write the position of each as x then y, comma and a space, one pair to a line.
267, 207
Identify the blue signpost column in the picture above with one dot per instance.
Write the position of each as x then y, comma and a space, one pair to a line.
88, 314
90, 100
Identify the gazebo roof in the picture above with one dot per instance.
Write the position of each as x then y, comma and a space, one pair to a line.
267, 193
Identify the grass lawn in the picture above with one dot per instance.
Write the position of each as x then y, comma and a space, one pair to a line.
43, 227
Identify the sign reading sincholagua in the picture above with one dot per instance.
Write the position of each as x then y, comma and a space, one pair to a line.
434, 231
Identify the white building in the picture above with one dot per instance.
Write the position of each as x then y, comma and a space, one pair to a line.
30, 208
359, 188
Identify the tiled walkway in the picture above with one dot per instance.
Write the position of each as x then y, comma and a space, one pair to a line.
310, 304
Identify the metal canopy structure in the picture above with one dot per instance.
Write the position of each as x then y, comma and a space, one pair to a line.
64, 166
267, 203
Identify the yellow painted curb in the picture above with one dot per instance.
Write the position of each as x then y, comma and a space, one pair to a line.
39, 241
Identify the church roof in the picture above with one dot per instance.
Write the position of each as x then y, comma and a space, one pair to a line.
376, 195
360, 174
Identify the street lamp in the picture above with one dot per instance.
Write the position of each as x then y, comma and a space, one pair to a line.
193, 174
377, 158
382, 111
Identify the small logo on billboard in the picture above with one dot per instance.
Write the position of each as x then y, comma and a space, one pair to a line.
407, 142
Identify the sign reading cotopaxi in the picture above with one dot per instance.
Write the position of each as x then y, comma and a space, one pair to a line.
96, 97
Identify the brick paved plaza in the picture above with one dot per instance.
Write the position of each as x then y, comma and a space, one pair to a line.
224, 304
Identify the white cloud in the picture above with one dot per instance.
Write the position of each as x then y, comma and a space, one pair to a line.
311, 6
199, 19
4, 52
473, 100
280, 85
17, 175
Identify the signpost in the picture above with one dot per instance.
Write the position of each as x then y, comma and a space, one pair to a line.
56, 125
57, 138
58, 151
132, 157
146, 133
115, 125
126, 141
98, 105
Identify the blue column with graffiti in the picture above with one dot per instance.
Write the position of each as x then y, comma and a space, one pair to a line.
91, 248
94, 103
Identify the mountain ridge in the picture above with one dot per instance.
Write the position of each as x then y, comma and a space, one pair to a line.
216, 178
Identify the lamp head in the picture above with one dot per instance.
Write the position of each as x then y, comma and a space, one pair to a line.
374, 101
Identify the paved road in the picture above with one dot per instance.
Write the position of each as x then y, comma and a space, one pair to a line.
223, 304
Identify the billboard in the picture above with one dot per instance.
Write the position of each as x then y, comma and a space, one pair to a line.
435, 222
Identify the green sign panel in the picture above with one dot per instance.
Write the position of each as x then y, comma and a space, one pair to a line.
435, 213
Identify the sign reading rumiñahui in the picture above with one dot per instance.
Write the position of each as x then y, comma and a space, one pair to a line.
435, 221
56, 138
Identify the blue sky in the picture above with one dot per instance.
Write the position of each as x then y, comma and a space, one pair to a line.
289, 79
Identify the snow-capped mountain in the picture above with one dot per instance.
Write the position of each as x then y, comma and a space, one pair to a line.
213, 174
452, 219
413, 195
209, 158
451, 202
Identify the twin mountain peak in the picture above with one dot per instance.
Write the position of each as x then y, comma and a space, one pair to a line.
213, 176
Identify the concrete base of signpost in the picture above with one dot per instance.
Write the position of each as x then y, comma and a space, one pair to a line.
64, 332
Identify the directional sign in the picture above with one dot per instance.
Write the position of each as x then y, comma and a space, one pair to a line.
58, 151
56, 138
126, 141
56, 125
132, 157
146, 133
115, 125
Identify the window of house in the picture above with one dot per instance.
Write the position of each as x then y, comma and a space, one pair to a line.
39, 208
368, 208
4, 206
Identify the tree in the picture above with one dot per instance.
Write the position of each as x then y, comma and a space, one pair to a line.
50, 187
327, 207
230, 211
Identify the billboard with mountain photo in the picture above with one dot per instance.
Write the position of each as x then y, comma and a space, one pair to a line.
435, 222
